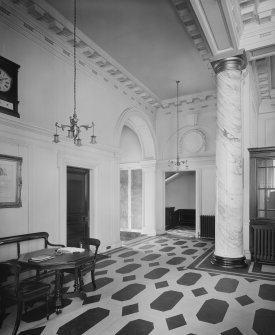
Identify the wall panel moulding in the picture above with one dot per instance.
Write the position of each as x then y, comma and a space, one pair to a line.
261, 52
263, 71
52, 28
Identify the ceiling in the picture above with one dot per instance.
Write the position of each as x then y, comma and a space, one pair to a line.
148, 39
142, 47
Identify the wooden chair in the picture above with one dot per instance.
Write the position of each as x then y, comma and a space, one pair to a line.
86, 243
23, 292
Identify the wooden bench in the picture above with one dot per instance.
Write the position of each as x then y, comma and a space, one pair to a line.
11, 288
17, 241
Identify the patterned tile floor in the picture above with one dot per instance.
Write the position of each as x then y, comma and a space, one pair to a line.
151, 286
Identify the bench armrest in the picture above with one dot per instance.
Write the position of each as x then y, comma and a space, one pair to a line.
55, 245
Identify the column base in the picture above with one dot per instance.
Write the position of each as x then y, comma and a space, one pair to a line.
230, 263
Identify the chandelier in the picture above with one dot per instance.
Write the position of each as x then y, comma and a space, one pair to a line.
73, 128
177, 163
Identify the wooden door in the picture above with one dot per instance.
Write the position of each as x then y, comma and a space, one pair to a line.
77, 205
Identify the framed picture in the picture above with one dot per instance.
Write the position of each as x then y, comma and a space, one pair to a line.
10, 181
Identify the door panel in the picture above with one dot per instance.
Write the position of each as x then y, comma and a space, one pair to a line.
77, 205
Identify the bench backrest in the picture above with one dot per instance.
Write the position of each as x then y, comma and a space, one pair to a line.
17, 239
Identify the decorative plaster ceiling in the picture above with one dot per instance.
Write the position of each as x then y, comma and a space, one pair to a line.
148, 39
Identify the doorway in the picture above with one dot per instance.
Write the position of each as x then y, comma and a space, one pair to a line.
180, 202
77, 205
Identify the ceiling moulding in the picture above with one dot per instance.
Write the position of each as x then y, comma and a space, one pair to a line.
192, 26
193, 103
44, 21
217, 30
258, 19
255, 12
233, 17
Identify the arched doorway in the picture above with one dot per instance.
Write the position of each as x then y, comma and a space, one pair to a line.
134, 130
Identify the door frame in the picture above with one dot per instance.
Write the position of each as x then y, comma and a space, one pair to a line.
86, 173
160, 205
196, 195
63, 163
129, 167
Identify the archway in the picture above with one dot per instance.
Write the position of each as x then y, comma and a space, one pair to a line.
141, 125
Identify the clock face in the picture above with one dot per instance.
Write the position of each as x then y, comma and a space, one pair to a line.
5, 81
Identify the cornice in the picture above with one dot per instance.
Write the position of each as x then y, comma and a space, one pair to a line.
189, 20
192, 103
37, 20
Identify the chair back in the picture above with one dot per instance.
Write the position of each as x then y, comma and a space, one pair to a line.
87, 242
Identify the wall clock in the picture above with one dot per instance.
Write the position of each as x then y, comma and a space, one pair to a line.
9, 87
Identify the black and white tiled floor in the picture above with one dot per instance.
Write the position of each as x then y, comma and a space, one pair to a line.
151, 286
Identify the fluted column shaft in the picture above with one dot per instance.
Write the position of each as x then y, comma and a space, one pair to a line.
229, 164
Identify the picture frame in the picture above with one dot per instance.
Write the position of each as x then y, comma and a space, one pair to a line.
10, 181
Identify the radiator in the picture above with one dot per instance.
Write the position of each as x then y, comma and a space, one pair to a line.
207, 229
263, 237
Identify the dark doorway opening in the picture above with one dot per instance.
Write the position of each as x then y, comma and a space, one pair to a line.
77, 205
180, 201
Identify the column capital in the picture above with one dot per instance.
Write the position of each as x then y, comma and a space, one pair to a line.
230, 62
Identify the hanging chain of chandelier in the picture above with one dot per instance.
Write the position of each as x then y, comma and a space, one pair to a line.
74, 129
177, 163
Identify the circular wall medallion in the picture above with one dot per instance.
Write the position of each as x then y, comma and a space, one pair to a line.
193, 141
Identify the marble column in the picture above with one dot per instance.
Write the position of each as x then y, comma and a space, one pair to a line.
229, 164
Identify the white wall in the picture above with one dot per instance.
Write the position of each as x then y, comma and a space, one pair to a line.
45, 92
203, 124
130, 146
181, 192
208, 190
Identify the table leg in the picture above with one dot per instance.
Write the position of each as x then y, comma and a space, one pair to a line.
81, 282
76, 282
58, 291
